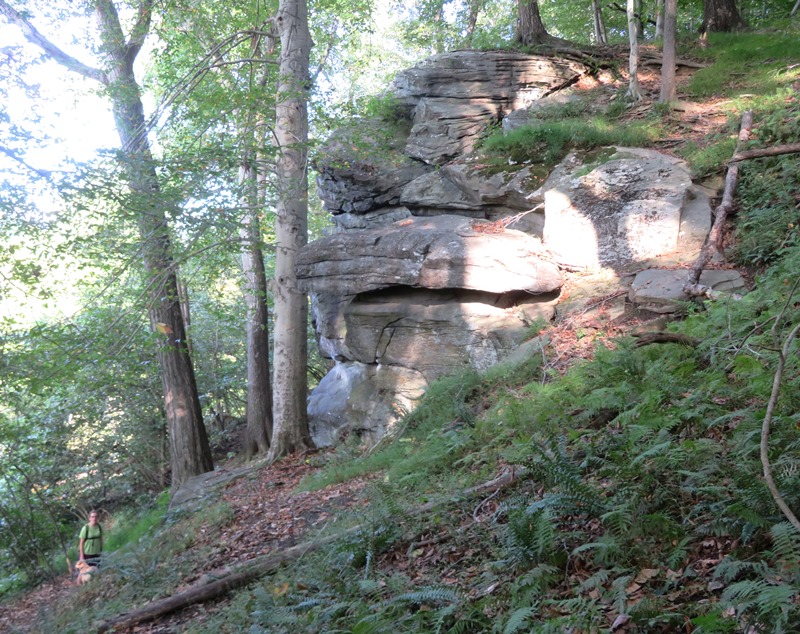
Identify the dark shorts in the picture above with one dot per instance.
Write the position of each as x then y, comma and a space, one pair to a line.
92, 560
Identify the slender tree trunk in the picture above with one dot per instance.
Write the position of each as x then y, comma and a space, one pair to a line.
530, 28
721, 16
186, 311
259, 390
475, 7
598, 23
634, 92
668, 53
659, 19
190, 453
290, 384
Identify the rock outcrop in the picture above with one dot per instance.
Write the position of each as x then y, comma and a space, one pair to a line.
439, 261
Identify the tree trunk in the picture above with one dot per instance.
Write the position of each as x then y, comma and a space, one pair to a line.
530, 29
290, 383
190, 453
634, 92
668, 61
598, 24
475, 7
660, 17
259, 390
721, 16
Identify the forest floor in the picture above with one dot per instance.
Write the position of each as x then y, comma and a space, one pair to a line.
269, 513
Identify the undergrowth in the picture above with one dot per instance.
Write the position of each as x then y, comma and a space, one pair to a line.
639, 499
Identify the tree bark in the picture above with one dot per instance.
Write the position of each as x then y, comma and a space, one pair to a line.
290, 382
530, 29
721, 16
668, 61
190, 453
259, 389
660, 17
634, 92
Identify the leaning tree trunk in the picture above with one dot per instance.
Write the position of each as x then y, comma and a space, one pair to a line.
290, 383
721, 16
668, 54
190, 453
530, 28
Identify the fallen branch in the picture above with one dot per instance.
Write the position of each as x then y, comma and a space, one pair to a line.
660, 336
255, 569
783, 352
693, 288
777, 150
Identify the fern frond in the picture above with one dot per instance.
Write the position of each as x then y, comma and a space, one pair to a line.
427, 595
519, 618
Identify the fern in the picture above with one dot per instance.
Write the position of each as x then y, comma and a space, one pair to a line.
519, 618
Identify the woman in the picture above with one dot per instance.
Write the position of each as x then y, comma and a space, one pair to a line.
90, 545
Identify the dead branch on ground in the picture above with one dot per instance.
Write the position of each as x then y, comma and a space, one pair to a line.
777, 150
693, 288
257, 568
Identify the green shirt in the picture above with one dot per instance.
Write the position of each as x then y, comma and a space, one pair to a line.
92, 536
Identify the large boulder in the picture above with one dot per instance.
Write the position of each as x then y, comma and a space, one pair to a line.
624, 208
361, 399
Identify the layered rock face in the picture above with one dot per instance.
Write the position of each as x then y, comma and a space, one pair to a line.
437, 262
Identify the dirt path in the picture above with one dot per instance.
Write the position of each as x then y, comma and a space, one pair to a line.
267, 515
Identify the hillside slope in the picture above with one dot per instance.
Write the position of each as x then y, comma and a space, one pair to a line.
637, 502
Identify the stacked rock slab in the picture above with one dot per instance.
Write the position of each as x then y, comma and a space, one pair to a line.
436, 264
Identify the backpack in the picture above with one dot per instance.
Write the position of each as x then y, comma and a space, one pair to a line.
98, 536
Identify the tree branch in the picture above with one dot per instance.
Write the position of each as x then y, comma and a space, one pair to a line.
140, 29
765, 427
51, 50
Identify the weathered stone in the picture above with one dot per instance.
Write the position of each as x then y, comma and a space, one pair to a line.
376, 218
436, 253
627, 209
366, 400
453, 96
438, 333
661, 290
466, 187
360, 168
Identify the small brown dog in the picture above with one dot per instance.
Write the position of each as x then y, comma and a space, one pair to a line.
84, 571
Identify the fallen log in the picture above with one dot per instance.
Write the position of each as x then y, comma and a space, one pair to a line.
713, 242
776, 150
661, 336
255, 569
